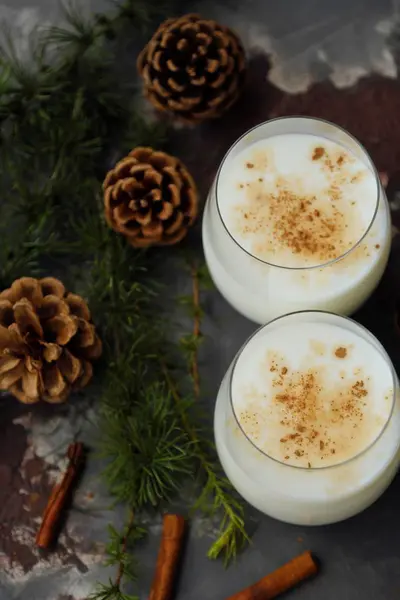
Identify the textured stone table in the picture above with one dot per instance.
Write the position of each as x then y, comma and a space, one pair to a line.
332, 40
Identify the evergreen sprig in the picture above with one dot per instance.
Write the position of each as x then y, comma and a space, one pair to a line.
62, 115
217, 497
119, 548
146, 443
110, 591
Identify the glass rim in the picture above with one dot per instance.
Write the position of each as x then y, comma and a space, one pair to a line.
348, 460
370, 165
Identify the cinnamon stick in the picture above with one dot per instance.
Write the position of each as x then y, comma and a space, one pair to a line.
283, 579
168, 557
59, 496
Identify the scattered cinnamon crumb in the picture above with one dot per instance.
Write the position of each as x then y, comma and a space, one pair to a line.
356, 178
241, 185
377, 246
301, 398
319, 151
249, 165
340, 352
358, 389
260, 179
296, 223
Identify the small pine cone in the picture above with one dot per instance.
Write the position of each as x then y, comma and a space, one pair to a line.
192, 67
47, 341
150, 198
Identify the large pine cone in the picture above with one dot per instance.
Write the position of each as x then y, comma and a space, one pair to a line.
192, 67
150, 198
47, 341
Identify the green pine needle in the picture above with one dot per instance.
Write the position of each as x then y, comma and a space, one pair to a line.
143, 14
110, 591
119, 548
232, 531
149, 454
62, 115
80, 34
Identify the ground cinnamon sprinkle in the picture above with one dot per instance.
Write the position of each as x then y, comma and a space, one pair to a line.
279, 213
359, 390
304, 397
295, 220
319, 151
341, 352
296, 224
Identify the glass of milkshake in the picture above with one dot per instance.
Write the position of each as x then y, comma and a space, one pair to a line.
296, 219
307, 419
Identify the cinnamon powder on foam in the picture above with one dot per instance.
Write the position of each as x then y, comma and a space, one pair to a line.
318, 423
298, 221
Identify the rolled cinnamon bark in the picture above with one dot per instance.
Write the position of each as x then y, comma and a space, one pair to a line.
283, 579
59, 497
168, 557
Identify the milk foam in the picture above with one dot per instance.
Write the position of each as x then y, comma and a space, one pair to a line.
311, 394
296, 200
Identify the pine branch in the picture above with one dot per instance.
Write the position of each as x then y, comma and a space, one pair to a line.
61, 116
120, 547
149, 455
142, 14
80, 34
122, 565
217, 493
110, 592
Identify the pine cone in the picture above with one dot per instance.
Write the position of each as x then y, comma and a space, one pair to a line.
150, 198
47, 341
192, 67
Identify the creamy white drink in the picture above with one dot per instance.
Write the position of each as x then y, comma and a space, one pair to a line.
296, 219
307, 422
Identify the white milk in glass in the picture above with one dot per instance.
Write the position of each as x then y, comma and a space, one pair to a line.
296, 219
307, 421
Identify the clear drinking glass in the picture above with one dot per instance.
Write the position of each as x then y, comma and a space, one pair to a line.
301, 495
262, 291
